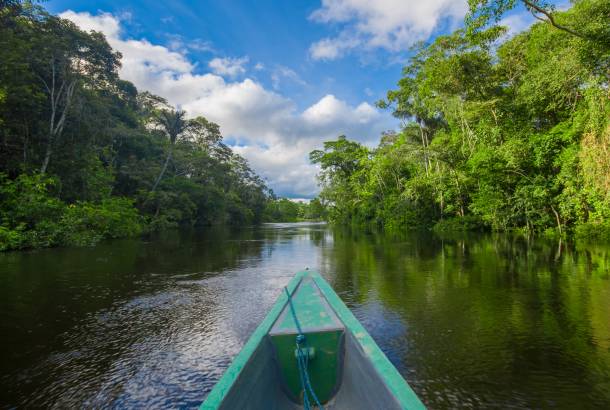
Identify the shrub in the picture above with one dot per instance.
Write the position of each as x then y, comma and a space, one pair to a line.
32, 218
10, 239
86, 223
460, 224
593, 231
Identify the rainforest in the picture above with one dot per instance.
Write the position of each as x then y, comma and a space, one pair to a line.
435, 172
85, 156
499, 132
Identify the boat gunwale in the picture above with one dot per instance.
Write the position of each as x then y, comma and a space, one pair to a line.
220, 390
394, 381
398, 386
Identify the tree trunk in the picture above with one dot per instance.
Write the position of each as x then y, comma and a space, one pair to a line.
425, 148
557, 219
167, 159
47, 156
65, 92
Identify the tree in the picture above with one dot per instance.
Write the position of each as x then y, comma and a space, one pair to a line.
173, 124
482, 12
67, 59
343, 166
497, 133
80, 149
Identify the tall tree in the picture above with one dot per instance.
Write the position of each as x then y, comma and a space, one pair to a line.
173, 124
66, 60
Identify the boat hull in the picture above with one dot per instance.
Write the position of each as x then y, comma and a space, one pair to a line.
348, 370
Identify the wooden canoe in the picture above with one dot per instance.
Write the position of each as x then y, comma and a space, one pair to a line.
345, 367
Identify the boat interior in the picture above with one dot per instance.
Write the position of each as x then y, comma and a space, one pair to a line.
340, 370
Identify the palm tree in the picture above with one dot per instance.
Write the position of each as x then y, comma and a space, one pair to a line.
173, 124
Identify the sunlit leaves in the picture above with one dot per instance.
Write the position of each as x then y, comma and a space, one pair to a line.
505, 133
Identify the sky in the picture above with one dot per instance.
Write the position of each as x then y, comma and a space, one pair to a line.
279, 77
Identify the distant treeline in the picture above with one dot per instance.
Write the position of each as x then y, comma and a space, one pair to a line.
85, 156
285, 210
499, 133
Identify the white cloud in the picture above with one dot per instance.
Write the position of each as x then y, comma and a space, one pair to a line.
390, 24
103, 22
200, 45
326, 49
275, 136
281, 74
177, 43
230, 67
285, 166
332, 48
516, 23
138, 55
330, 111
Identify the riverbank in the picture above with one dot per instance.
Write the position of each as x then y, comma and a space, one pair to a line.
32, 215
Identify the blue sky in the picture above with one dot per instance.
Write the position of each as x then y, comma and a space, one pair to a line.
280, 77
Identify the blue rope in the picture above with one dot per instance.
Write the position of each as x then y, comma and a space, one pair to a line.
303, 360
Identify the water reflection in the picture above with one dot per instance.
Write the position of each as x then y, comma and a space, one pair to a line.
470, 321
492, 321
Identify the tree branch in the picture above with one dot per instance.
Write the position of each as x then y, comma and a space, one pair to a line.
534, 8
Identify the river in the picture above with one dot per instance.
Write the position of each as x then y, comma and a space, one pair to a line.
492, 321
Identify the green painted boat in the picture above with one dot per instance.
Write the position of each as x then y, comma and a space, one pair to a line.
311, 352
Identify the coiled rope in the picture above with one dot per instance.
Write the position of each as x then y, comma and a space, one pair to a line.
303, 360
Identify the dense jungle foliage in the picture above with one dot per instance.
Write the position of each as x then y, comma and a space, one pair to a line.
286, 210
85, 156
498, 133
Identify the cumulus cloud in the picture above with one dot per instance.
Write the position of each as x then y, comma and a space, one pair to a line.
138, 55
330, 111
389, 24
291, 174
103, 22
230, 67
275, 136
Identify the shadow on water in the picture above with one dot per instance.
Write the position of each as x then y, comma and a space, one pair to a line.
470, 321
